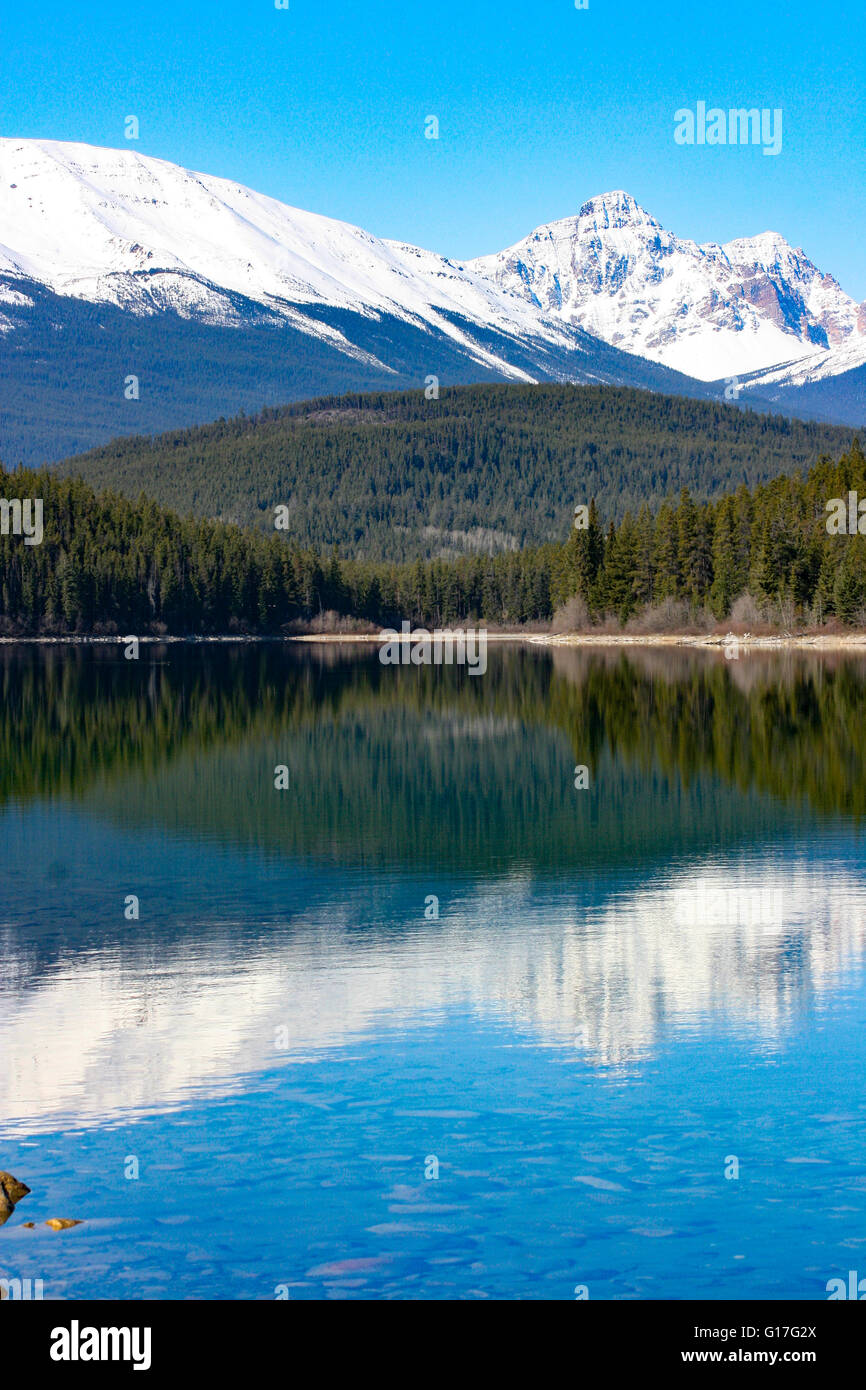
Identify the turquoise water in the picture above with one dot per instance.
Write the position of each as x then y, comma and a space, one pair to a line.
432, 1022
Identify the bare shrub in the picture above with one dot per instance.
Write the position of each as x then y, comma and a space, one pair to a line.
782, 614
669, 616
330, 623
744, 610
573, 616
608, 623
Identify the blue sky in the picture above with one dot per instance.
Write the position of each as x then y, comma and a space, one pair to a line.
540, 106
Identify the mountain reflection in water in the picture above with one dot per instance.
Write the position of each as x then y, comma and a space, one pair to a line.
432, 872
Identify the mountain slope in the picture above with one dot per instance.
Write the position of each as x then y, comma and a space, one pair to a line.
65, 362
394, 476
114, 226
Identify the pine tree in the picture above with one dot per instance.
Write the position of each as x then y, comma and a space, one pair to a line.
848, 590
644, 572
725, 577
616, 585
693, 545
666, 553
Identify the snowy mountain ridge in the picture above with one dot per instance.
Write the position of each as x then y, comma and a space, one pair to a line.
711, 310
115, 227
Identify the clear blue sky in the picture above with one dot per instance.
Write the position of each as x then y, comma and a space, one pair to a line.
540, 106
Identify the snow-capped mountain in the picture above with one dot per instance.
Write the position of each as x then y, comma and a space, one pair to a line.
711, 311
217, 298
116, 227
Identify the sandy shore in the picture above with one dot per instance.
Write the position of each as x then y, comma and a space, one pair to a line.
835, 642
830, 643
855, 641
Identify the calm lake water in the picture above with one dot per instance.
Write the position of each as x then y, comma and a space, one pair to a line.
432, 1021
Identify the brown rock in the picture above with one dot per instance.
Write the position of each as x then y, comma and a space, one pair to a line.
14, 1189
11, 1191
61, 1223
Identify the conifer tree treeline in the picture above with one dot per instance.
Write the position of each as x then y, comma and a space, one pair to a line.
771, 543
394, 476
110, 565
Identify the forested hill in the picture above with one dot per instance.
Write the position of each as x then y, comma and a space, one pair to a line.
105, 564
396, 476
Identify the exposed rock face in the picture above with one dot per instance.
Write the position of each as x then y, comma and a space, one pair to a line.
61, 1223
708, 309
11, 1192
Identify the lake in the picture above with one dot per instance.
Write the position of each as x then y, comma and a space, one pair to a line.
431, 1020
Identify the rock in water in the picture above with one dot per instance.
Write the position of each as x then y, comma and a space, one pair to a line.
14, 1189
61, 1223
11, 1191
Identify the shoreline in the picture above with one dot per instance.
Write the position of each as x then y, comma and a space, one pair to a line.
711, 642
714, 642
